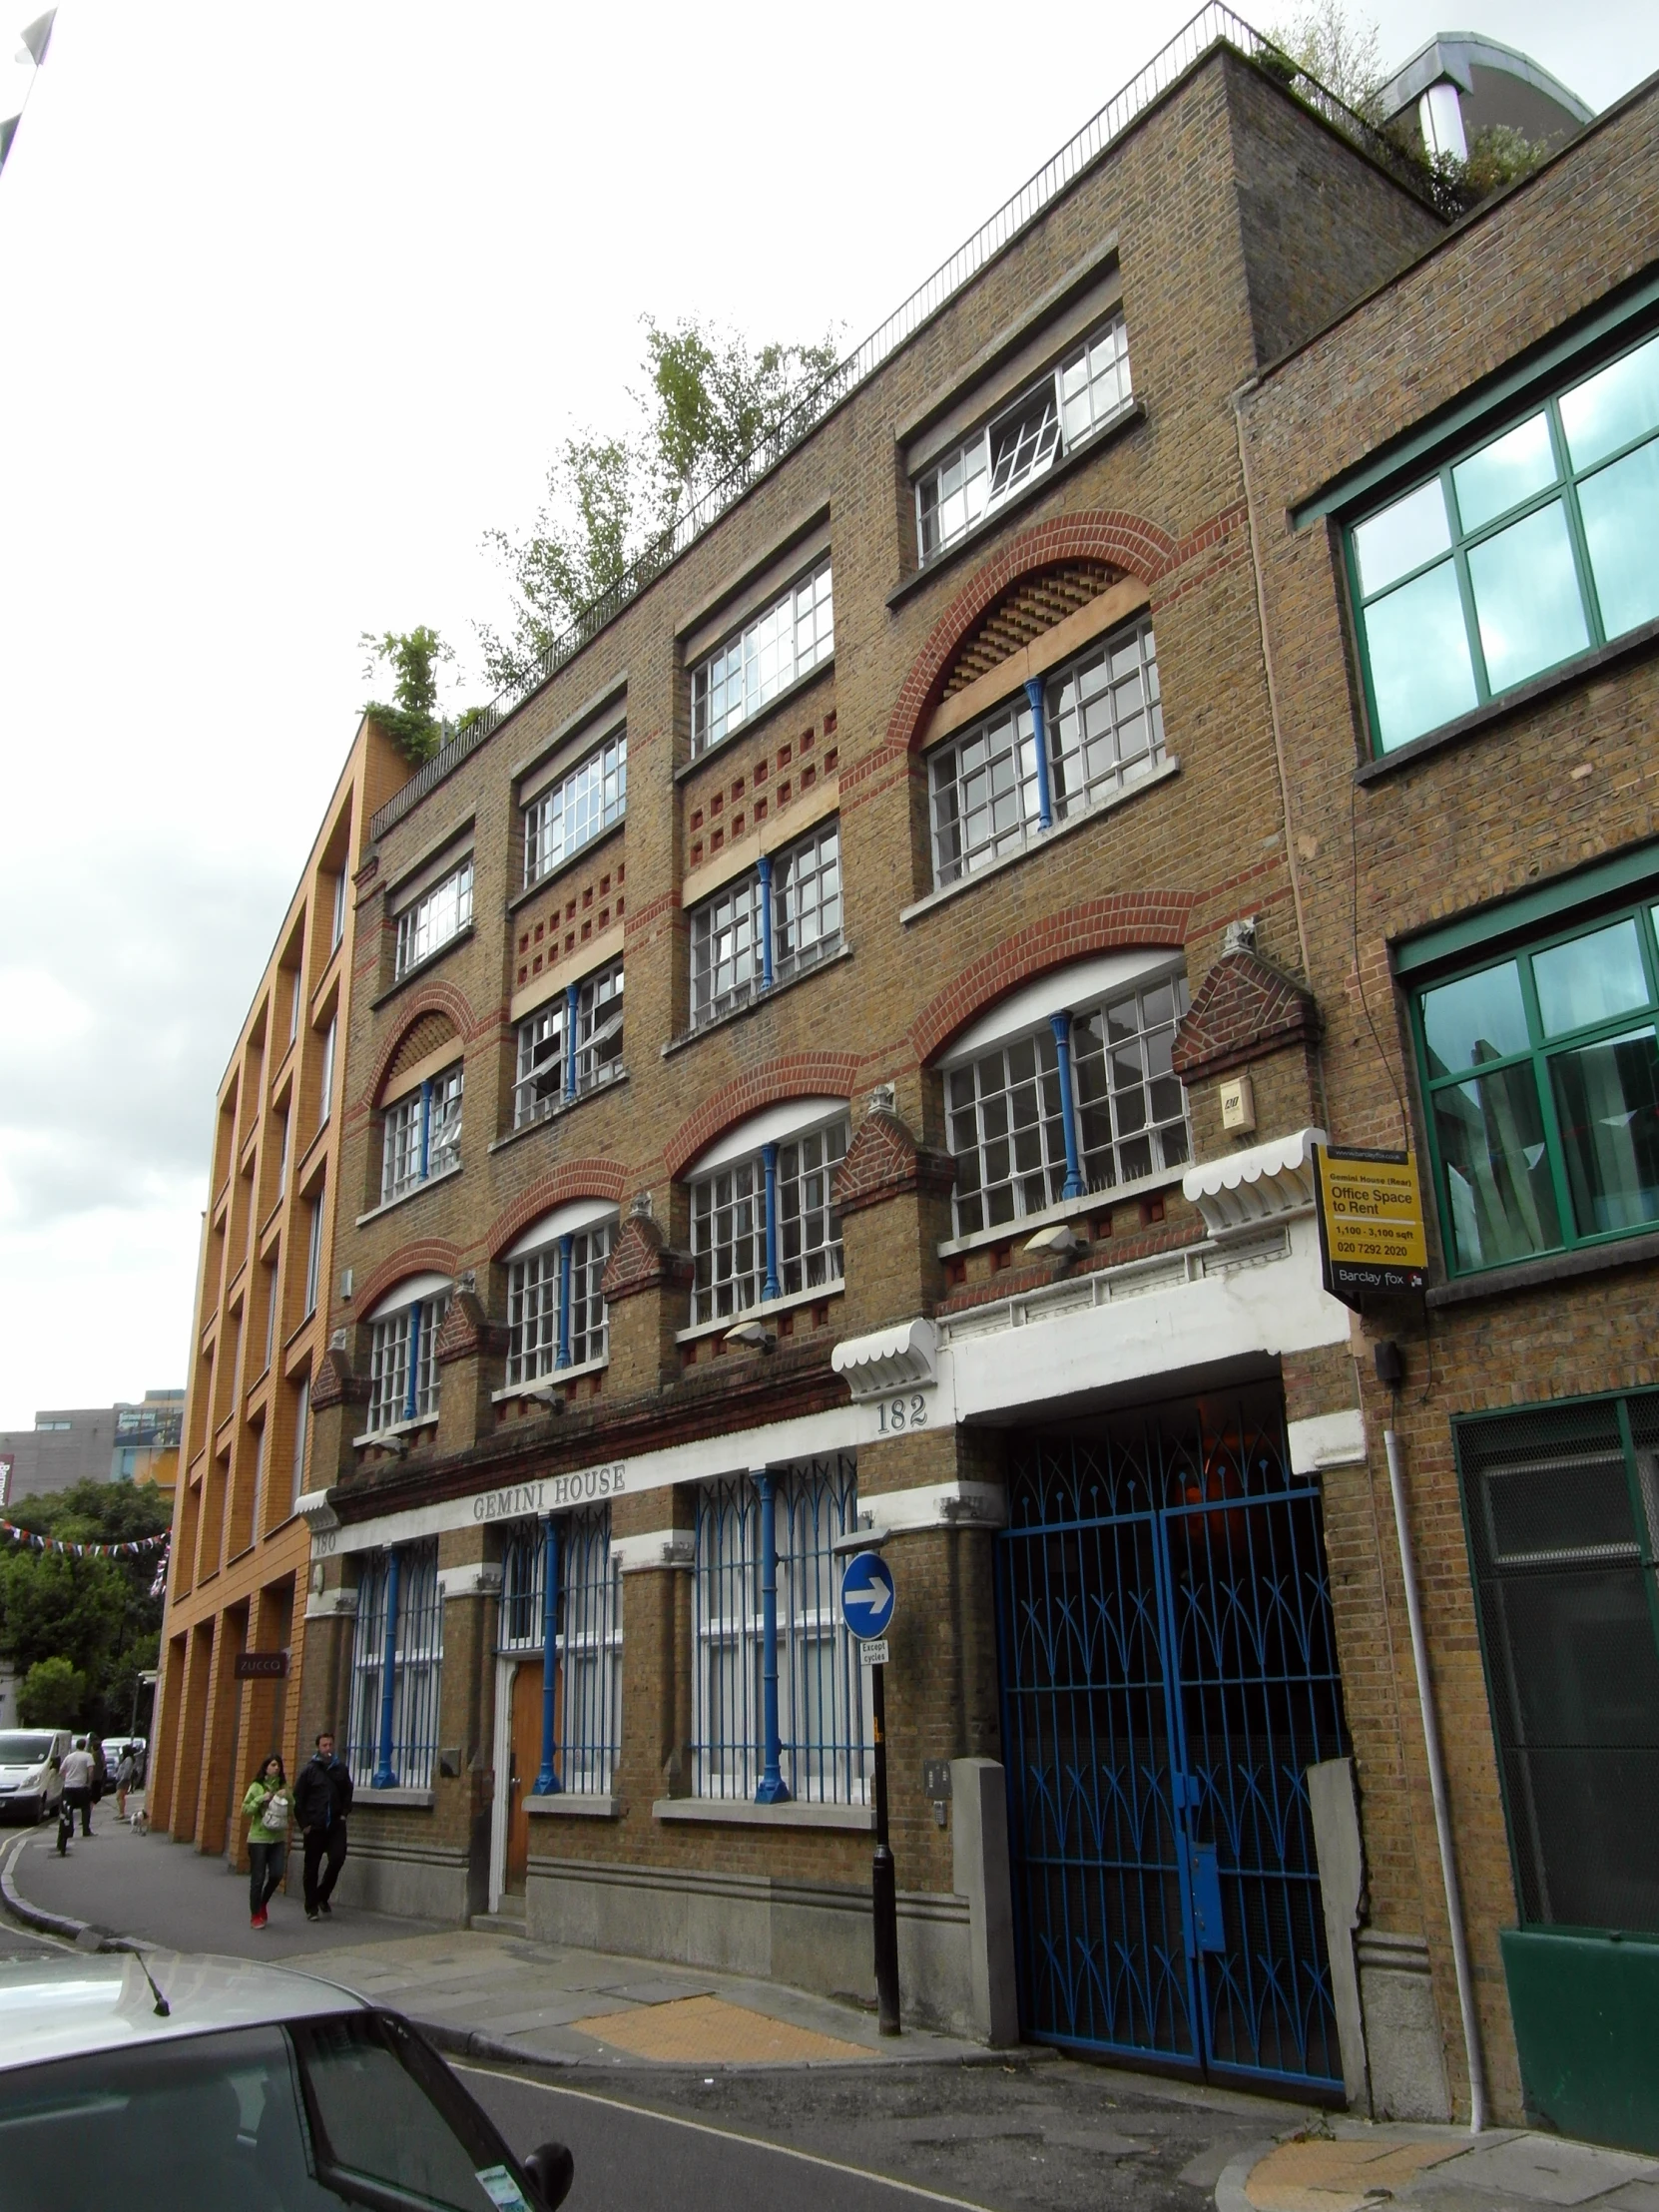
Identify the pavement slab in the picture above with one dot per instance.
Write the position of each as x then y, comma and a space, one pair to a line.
1348, 2166
709, 2031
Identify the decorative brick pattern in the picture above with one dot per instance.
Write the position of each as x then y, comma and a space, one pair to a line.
576, 1179
466, 1330
426, 1255
334, 1383
1243, 1010
642, 1260
421, 1037
436, 995
797, 1075
884, 1161
1038, 603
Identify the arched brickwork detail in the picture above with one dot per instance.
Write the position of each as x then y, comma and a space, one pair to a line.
797, 1075
428, 1255
1128, 541
593, 1178
1074, 933
435, 997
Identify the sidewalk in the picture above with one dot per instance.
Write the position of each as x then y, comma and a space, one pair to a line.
1343, 2165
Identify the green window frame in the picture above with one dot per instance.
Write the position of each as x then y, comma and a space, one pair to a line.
1528, 548
1540, 1077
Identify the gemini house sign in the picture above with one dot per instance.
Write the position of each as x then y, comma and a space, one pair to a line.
1370, 1223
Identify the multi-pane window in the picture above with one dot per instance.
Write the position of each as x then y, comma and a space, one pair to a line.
587, 1735
403, 1366
537, 1312
1532, 549
337, 923
330, 1038
743, 942
730, 1242
822, 1728
545, 1079
313, 1253
1088, 387
1543, 1078
790, 639
434, 917
1103, 726
421, 1135
573, 812
1129, 1112
302, 1420
401, 1755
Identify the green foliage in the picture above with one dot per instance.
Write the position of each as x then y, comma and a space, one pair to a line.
1499, 155
1344, 54
711, 400
53, 1694
94, 1616
411, 721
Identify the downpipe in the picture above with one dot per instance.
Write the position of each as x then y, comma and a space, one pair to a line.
1437, 1790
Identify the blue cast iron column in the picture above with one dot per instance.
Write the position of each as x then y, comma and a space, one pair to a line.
547, 1781
771, 1287
411, 1396
772, 1790
570, 1040
425, 1127
386, 1777
1061, 1026
1045, 801
561, 1358
765, 921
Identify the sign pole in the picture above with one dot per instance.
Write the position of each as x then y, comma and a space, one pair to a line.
883, 1882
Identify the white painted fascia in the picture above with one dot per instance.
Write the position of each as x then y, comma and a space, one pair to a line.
891, 1360
1264, 1183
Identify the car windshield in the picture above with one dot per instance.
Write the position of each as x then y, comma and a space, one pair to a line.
303, 2118
24, 1751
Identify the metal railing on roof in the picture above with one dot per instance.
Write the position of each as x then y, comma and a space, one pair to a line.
1214, 25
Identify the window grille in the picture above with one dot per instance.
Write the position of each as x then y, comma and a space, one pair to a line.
421, 1134
1563, 1509
1103, 728
792, 635
1007, 1118
403, 1756
1517, 556
436, 916
729, 1224
747, 938
573, 812
535, 1303
1088, 388
823, 1728
404, 1364
588, 1685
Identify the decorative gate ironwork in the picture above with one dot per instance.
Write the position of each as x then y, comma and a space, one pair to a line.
1169, 1674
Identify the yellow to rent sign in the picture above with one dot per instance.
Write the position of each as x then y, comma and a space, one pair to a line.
1370, 1223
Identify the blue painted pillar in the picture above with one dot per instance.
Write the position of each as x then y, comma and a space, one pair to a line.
425, 1127
386, 1777
1045, 801
570, 1040
765, 921
772, 1790
547, 1781
411, 1396
561, 1358
771, 1287
1061, 1026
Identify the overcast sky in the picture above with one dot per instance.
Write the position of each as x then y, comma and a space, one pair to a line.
293, 305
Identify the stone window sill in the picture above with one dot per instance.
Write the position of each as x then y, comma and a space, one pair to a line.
582, 852
1067, 1209
408, 1801
407, 1428
565, 1106
763, 1312
574, 1804
741, 1812
546, 1387
759, 997
421, 967
762, 715
1546, 1270
390, 1205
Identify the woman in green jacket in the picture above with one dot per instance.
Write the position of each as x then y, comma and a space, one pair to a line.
269, 1806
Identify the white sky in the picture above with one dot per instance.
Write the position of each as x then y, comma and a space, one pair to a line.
293, 305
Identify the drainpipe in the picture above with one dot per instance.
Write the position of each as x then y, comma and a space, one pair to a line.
1436, 1784
771, 1287
1039, 738
765, 872
547, 1781
384, 1775
567, 1247
1073, 1185
570, 1040
774, 1790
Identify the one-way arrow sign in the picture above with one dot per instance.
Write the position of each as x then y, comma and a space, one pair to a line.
867, 1595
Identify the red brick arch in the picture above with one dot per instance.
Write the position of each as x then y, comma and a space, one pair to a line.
1109, 925
592, 1178
796, 1076
427, 1255
1127, 541
435, 997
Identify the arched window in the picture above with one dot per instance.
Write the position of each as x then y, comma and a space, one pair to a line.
403, 1368
764, 1225
555, 1310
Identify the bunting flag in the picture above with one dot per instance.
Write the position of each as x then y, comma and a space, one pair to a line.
127, 1550
36, 37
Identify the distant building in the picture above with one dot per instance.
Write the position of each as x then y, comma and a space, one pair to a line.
1458, 85
146, 1440
93, 1443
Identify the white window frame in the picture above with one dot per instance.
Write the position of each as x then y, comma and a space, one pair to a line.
314, 1255
1085, 390
301, 1417
393, 1323
727, 1215
337, 929
533, 1269
727, 935
772, 650
431, 921
420, 1134
570, 813
539, 1088
330, 1038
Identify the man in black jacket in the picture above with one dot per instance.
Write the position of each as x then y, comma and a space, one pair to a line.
322, 1801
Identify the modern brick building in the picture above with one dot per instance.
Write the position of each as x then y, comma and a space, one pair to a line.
240, 1554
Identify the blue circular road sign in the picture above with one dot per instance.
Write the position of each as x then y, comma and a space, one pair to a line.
867, 1595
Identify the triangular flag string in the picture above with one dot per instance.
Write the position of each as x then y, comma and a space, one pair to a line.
125, 1550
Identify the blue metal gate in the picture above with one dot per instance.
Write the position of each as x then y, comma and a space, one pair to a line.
1169, 1673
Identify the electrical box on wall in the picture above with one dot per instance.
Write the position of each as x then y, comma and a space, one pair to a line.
1238, 1106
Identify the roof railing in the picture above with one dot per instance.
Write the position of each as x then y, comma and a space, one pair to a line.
1214, 25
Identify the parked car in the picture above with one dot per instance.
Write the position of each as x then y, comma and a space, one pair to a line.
216, 2081
30, 1785
115, 1748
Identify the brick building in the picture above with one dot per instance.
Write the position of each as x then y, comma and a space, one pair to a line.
239, 1551
987, 996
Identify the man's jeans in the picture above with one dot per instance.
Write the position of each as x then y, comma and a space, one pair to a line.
320, 1844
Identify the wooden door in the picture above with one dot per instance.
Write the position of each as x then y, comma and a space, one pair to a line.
524, 1759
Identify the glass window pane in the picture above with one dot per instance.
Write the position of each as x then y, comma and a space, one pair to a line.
1420, 671
1504, 473
1526, 598
1613, 406
1492, 1142
1403, 537
1477, 1019
1591, 979
1607, 1100
1620, 507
